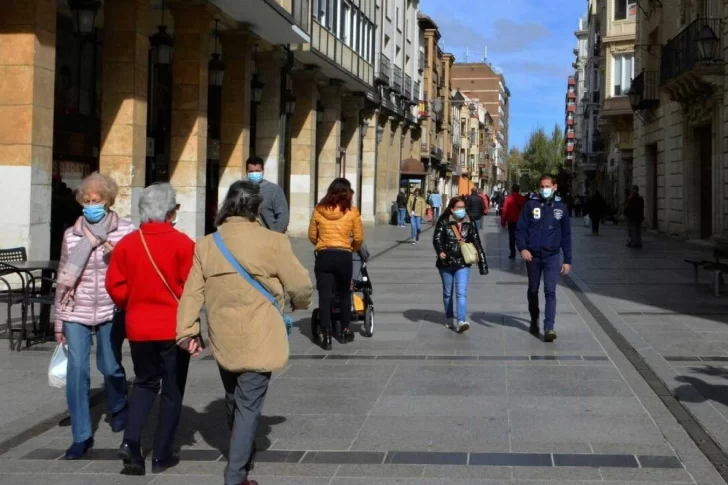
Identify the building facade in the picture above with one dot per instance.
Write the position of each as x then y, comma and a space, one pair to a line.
577, 120
679, 100
482, 81
185, 92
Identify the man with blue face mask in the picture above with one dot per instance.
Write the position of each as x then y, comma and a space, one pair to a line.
542, 232
274, 213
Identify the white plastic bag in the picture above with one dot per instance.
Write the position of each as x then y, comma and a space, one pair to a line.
58, 366
587, 221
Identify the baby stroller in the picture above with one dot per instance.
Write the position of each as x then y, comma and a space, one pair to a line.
362, 305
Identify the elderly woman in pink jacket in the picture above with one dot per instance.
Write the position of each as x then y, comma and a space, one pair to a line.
84, 308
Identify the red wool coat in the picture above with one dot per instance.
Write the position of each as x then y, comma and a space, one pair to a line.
134, 285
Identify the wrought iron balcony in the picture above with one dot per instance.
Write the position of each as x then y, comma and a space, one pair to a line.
645, 91
397, 79
416, 93
698, 44
385, 69
407, 88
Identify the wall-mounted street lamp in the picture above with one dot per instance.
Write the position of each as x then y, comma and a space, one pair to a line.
256, 88
380, 133
162, 44
708, 44
364, 127
216, 67
84, 15
290, 103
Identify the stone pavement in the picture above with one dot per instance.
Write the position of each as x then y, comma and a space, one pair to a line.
419, 404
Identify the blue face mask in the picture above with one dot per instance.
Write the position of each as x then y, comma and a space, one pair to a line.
94, 212
546, 193
255, 177
459, 213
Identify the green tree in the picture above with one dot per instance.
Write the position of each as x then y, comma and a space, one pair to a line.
543, 154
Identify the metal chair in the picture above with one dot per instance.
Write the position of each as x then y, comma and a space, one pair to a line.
13, 296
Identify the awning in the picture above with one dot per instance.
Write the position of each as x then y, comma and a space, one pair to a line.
412, 166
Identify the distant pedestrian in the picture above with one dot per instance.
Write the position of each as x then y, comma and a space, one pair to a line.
542, 232
435, 202
486, 202
569, 201
84, 309
401, 208
247, 332
577, 206
453, 228
417, 207
509, 216
597, 209
146, 277
274, 212
336, 231
635, 214
475, 208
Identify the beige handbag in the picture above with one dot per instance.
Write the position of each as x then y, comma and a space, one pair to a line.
470, 254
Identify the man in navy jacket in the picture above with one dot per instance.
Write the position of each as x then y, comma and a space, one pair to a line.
542, 232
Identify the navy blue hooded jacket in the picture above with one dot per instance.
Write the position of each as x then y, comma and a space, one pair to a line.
544, 228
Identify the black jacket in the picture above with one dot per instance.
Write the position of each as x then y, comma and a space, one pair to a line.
401, 201
446, 242
635, 210
475, 207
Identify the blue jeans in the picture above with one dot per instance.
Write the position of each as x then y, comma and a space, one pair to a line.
78, 379
459, 279
550, 268
435, 214
401, 216
416, 223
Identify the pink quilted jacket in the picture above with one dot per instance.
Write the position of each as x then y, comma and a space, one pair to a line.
91, 305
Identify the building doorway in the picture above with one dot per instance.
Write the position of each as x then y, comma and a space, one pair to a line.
704, 141
651, 182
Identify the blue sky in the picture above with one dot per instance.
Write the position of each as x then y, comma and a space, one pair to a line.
531, 41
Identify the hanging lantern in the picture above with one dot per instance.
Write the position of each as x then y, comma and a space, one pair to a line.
290, 103
708, 44
216, 70
162, 46
84, 15
256, 88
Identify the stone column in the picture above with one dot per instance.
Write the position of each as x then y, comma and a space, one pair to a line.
27, 73
235, 108
303, 152
124, 100
329, 137
395, 157
351, 137
383, 203
188, 158
268, 117
368, 169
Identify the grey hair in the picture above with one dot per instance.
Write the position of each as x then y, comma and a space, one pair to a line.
242, 200
104, 185
156, 202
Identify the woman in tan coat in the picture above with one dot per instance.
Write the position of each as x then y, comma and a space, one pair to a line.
336, 231
247, 332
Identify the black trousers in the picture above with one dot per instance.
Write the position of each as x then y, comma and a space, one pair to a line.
512, 238
333, 270
595, 220
157, 365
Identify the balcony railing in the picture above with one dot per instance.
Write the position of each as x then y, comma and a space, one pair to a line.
385, 69
682, 52
596, 97
597, 48
416, 92
421, 65
645, 91
397, 79
407, 87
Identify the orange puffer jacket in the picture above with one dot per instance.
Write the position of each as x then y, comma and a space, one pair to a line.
334, 229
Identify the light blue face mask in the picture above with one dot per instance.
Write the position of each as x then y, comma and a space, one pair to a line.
459, 213
94, 212
546, 192
255, 177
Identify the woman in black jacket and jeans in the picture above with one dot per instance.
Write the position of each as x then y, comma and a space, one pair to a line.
454, 225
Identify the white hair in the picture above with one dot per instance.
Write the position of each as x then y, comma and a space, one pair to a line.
156, 202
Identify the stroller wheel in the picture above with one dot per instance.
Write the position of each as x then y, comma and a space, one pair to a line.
369, 321
315, 324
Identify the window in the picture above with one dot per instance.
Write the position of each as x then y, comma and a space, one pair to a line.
352, 30
462, 125
343, 30
622, 73
386, 9
316, 7
396, 19
625, 9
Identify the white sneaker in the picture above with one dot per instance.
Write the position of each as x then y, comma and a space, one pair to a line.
463, 327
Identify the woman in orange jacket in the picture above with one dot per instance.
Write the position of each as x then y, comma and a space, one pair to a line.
336, 231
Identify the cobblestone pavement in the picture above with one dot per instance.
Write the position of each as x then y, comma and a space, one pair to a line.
419, 404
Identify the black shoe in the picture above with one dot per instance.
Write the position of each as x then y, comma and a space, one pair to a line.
77, 450
158, 466
533, 329
131, 454
512, 256
326, 342
347, 335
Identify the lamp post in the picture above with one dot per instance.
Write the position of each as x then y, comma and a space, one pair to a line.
708, 44
290, 103
216, 67
84, 15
